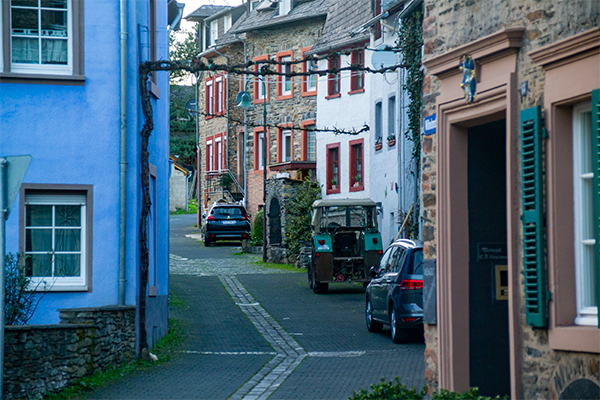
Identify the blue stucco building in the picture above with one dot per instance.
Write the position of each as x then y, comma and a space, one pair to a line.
63, 83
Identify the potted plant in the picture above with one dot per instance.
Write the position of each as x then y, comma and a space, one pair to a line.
357, 180
391, 140
378, 144
334, 184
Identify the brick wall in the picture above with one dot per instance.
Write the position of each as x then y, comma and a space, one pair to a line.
447, 25
41, 359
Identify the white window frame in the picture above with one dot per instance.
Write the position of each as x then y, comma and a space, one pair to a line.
211, 160
219, 94
261, 138
286, 136
311, 80
587, 313
211, 97
219, 153
45, 68
286, 79
214, 31
78, 283
261, 86
227, 22
285, 6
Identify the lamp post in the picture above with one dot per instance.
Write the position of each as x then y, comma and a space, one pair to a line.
244, 103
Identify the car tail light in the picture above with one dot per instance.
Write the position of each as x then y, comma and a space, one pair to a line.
409, 319
245, 217
317, 254
380, 252
411, 284
212, 236
321, 242
211, 218
375, 240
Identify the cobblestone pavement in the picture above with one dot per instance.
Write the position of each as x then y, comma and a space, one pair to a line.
258, 333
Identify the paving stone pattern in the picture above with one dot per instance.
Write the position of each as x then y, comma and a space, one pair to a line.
258, 333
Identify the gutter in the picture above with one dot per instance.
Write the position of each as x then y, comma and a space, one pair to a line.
409, 8
123, 157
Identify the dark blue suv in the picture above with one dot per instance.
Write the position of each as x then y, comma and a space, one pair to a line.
226, 222
394, 296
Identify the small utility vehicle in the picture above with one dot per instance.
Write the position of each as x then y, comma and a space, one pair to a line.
345, 242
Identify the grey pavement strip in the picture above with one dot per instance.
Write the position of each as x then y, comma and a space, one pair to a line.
242, 264
289, 353
230, 353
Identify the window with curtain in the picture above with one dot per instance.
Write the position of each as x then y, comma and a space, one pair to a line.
41, 36
583, 193
55, 241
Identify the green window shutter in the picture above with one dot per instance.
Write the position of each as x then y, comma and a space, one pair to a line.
533, 217
596, 186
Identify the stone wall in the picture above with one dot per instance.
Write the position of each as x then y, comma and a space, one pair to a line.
41, 359
284, 189
449, 24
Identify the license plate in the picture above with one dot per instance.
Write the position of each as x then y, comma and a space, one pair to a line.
228, 222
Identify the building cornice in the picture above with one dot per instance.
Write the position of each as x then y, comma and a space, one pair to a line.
555, 54
499, 42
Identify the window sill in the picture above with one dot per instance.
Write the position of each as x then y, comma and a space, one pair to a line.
333, 96
357, 188
333, 191
285, 96
57, 288
259, 101
575, 338
356, 91
308, 94
73, 80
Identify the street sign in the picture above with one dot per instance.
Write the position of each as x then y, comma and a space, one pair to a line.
430, 124
16, 168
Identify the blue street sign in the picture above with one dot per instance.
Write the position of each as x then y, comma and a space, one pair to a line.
429, 124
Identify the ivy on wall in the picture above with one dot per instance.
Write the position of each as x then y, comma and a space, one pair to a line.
410, 42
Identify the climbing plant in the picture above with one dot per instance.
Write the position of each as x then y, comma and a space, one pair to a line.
410, 42
297, 228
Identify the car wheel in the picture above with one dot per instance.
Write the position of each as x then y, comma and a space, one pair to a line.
320, 288
206, 241
398, 335
372, 325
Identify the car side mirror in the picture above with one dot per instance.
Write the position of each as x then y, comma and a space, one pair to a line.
373, 272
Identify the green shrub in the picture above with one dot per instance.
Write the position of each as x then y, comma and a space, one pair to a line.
257, 229
394, 390
297, 227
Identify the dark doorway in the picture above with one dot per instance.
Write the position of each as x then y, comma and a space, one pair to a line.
488, 273
274, 222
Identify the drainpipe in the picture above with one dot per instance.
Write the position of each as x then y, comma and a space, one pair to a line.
244, 138
123, 161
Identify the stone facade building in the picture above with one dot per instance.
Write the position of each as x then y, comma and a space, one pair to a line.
280, 32
220, 123
507, 209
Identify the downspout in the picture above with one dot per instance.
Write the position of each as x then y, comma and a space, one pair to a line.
123, 160
245, 137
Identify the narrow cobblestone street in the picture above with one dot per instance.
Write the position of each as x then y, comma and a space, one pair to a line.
258, 333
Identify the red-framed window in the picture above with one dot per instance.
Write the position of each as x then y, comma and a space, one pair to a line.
377, 11
285, 143
357, 78
209, 101
258, 148
218, 156
219, 83
309, 82
333, 168
285, 84
261, 92
209, 154
357, 164
309, 141
333, 80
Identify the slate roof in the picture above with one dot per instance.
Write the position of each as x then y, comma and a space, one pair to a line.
205, 11
344, 17
258, 19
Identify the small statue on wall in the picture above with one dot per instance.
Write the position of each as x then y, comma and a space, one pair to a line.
468, 84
